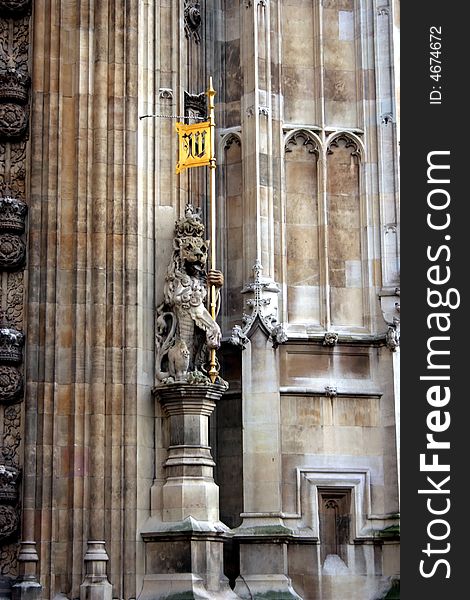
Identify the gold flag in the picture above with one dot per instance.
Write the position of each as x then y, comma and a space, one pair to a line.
194, 145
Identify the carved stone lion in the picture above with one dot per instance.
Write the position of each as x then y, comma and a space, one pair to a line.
185, 328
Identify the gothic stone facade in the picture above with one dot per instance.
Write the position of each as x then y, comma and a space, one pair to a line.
306, 438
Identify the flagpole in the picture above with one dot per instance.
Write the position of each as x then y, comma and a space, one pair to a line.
213, 372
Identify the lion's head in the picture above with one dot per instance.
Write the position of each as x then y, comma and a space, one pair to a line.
192, 253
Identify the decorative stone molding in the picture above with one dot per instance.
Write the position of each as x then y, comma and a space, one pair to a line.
392, 337
12, 251
383, 11
165, 93
9, 515
390, 306
230, 140
258, 318
192, 20
11, 345
330, 338
14, 86
387, 118
11, 384
11, 434
9, 481
302, 138
12, 214
348, 141
13, 121
331, 391
264, 111
14, 8
9, 520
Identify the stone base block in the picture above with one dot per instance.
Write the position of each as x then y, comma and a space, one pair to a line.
180, 586
267, 587
26, 590
185, 560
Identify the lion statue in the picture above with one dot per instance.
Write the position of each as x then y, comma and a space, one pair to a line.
185, 328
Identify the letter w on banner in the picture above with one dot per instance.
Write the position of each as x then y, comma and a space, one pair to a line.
194, 145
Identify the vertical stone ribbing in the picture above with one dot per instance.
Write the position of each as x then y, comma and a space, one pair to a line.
83, 308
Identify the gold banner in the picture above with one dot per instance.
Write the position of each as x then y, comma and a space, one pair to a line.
194, 147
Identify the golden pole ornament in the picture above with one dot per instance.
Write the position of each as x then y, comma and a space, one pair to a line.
213, 372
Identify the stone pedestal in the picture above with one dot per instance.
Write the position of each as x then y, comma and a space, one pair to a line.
184, 548
96, 586
263, 562
27, 587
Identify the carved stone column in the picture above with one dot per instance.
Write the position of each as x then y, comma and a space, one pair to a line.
15, 83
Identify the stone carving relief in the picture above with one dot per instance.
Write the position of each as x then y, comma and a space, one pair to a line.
390, 305
9, 516
14, 80
185, 329
11, 384
330, 338
15, 83
192, 20
259, 316
302, 138
12, 251
230, 140
11, 435
348, 142
331, 391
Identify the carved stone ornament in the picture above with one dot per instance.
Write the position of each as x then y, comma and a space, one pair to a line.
331, 391
14, 8
330, 338
9, 519
392, 337
11, 345
390, 305
11, 384
192, 20
14, 86
13, 121
12, 214
9, 481
12, 251
267, 322
185, 329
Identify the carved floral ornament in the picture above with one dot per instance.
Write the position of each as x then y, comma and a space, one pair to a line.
11, 384
9, 514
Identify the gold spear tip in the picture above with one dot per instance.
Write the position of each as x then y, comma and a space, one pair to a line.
211, 92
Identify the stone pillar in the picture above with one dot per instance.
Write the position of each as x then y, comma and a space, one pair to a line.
262, 535
184, 548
